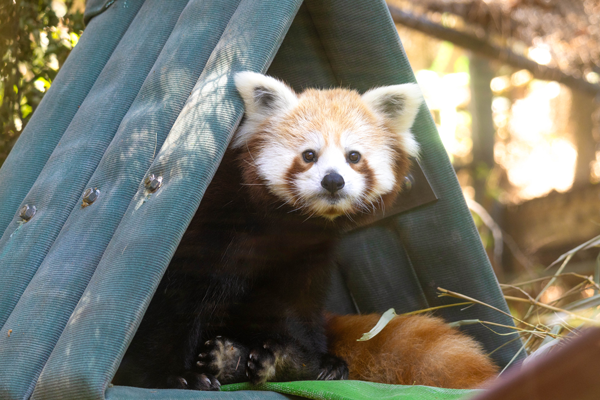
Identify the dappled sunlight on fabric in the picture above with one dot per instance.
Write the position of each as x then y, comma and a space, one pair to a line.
83, 302
197, 116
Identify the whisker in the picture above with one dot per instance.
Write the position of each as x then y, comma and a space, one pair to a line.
314, 212
247, 148
296, 209
349, 217
286, 202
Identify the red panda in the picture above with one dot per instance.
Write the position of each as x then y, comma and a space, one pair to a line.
243, 297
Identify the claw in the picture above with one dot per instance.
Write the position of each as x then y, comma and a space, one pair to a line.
200, 363
202, 355
208, 342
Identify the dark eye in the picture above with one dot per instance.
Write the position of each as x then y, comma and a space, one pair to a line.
354, 157
309, 156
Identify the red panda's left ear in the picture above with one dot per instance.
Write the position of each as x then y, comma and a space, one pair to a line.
399, 105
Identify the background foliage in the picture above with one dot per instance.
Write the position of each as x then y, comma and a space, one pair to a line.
36, 36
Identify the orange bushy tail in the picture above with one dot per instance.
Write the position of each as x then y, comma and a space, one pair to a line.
414, 350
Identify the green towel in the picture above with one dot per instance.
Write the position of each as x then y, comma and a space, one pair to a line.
356, 390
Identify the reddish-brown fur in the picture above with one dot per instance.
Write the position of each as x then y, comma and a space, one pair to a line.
414, 350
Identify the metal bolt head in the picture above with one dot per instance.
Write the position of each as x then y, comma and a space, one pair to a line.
90, 195
408, 183
27, 212
153, 182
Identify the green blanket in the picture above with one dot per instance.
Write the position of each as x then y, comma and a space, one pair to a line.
356, 390
318, 390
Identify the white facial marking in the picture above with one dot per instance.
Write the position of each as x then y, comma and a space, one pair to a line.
306, 191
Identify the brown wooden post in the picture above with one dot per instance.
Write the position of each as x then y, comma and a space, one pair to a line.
581, 125
482, 125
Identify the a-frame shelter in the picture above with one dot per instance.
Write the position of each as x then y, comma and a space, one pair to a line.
149, 90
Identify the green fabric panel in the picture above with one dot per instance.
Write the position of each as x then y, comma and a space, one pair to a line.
130, 393
94, 341
95, 7
62, 181
440, 239
357, 390
301, 60
378, 273
56, 110
339, 299
47, 303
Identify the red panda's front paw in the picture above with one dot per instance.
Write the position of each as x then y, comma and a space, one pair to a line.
332, 368
261, 365
223, 358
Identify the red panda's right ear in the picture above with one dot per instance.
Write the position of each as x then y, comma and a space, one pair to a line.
263, 97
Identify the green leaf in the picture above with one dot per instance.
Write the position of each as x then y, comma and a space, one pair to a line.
74, 39
42, 84
26, 110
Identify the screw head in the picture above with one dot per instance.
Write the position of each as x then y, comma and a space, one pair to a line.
408, 183
153, 182
27, 212
90, 195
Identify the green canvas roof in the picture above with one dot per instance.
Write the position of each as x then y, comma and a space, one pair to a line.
149, 90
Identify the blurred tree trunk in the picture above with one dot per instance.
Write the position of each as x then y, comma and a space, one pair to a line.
581, 124
482, 125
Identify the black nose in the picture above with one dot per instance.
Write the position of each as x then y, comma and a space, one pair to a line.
332, 182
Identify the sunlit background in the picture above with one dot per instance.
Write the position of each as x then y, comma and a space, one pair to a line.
533, 144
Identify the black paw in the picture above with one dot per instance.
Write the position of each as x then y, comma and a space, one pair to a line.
332, 368
194, 381
261, 364
223, 358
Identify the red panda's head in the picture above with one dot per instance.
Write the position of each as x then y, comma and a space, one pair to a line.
326, 152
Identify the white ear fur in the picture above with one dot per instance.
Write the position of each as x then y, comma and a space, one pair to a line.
398, 104
263, 97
